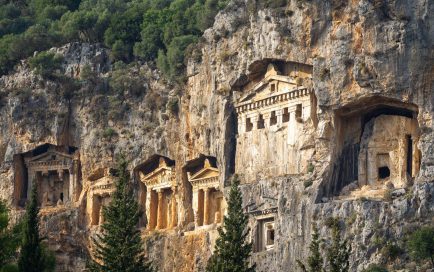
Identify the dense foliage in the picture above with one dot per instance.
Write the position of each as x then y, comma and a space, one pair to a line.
119, 246
315, 260
421, 244
34, 257
232, 251
337, 251
9, 239
134, 29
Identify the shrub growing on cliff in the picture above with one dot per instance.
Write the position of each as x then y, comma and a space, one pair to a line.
119, 246
232, 252
338, 253
34, 257
9, 239
46, 63
315, 260
375, 268
421, 244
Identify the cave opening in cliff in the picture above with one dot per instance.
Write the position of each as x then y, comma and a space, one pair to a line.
376, 141
55, 170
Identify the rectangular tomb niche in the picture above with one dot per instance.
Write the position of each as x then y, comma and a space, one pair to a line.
55, 170
208, 201
159, 192
388, 151
376, 148
276, 118
263, 233
102, 187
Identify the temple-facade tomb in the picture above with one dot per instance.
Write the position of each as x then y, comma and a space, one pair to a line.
158, 176
272, 118
102, 186
208, 201
54, 170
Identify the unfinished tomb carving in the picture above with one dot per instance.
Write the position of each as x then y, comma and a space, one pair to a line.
274, 114
55, 170
99, 195
388, 151
208, 201
158, 176
377, 140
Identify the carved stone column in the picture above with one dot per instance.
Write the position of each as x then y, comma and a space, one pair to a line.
266, 117
279, 115
254, 120
173, 208
206, 205
241, 124
160, 210
292, 126
71, 194
31, 179
148, 204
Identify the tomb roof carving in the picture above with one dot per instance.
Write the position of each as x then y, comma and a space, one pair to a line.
274, 88
51, 160
203, 172
158, 172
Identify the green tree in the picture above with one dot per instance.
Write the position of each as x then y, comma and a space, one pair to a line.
46, 63
315, 260
34, 257
119, 246
9, 239
421, 244
338, 253
232, 252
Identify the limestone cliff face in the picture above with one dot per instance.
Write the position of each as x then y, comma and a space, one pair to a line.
365, 60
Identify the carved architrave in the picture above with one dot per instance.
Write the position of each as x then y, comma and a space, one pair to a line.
162, 177
207, 177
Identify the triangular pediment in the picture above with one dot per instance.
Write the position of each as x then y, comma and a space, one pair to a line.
51, 156
160, 171
204, 173
263, 89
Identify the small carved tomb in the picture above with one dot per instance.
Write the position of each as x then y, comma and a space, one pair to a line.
56, 175
388, 151
264, 231
161, 189
99, 196
208, 201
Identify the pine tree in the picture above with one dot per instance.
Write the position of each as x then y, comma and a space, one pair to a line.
232, 252
119, 246
9, 238
33, 256
315, 260
338, 253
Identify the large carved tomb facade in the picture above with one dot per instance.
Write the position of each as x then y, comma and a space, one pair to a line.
55, 170
102, 186
208, 201
158, 176
274, 114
